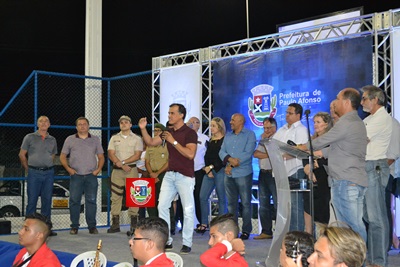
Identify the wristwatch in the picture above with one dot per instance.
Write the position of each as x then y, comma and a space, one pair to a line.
211, 167
123, 162
175, 143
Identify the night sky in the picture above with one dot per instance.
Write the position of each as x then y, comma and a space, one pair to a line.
49, 35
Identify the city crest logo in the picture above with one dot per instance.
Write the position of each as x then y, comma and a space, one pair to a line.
140, 192
262, 104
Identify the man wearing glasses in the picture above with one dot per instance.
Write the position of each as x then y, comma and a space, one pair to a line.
148, 242
295, 131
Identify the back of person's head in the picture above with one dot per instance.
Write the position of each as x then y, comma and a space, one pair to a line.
221, 124
346, 245
181, 109
354, 96
373, 91
298, 109
43, 225
302, 241
155, 229
225, 223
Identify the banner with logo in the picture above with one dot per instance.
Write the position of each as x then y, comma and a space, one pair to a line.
263, 85
140, 192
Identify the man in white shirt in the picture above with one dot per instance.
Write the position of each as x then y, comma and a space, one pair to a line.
295, 131
379, 130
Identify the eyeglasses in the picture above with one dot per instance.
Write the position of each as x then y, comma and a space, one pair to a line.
140, 238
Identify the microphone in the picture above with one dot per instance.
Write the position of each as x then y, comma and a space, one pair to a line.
290, 142
307, 112
163, 142
163, 138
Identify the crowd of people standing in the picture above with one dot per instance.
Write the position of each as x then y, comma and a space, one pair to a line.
351, 170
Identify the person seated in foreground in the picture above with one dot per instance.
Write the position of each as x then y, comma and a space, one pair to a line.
148, 242
33, 236
226, 249
336, 246
296, 246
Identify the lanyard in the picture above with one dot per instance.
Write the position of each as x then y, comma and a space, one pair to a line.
25, 261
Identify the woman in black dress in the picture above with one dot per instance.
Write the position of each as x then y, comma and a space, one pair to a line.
322, 193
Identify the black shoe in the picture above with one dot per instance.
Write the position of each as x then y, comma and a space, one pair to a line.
180, 231
244, 236
74, 231
185, 249
172, 232
93, 231
168, 247
52, 233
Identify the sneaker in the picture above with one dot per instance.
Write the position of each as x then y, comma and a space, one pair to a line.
262, 236
74, 231
244, 236
52, 233
168, 246
93, 231
185, 249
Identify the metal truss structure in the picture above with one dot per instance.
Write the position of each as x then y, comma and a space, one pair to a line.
380, 25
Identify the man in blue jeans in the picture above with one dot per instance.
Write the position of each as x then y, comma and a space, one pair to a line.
345, 147
379, 130
86, 159
181, 142
37, 154
237, 153
266, 182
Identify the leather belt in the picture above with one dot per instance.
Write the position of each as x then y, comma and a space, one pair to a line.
266, 171
41, 168
130, 165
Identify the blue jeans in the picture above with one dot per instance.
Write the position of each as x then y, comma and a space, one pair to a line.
348, 201
40, 183
207, 187
240, 186
83, 184
266, 189
375, 212
297, 206
175, 182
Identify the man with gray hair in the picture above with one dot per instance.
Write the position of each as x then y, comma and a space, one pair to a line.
379, 130
37, 154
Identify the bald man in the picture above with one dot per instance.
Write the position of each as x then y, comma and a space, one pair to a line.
237, 153
32, 236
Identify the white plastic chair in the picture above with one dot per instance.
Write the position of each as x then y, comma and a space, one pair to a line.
176, 258
123, 264
88, 259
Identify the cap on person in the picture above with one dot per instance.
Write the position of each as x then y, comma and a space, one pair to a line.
124, 117
160, 126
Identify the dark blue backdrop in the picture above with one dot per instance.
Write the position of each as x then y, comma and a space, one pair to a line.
264, 84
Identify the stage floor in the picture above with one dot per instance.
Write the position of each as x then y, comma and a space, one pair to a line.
116, 247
